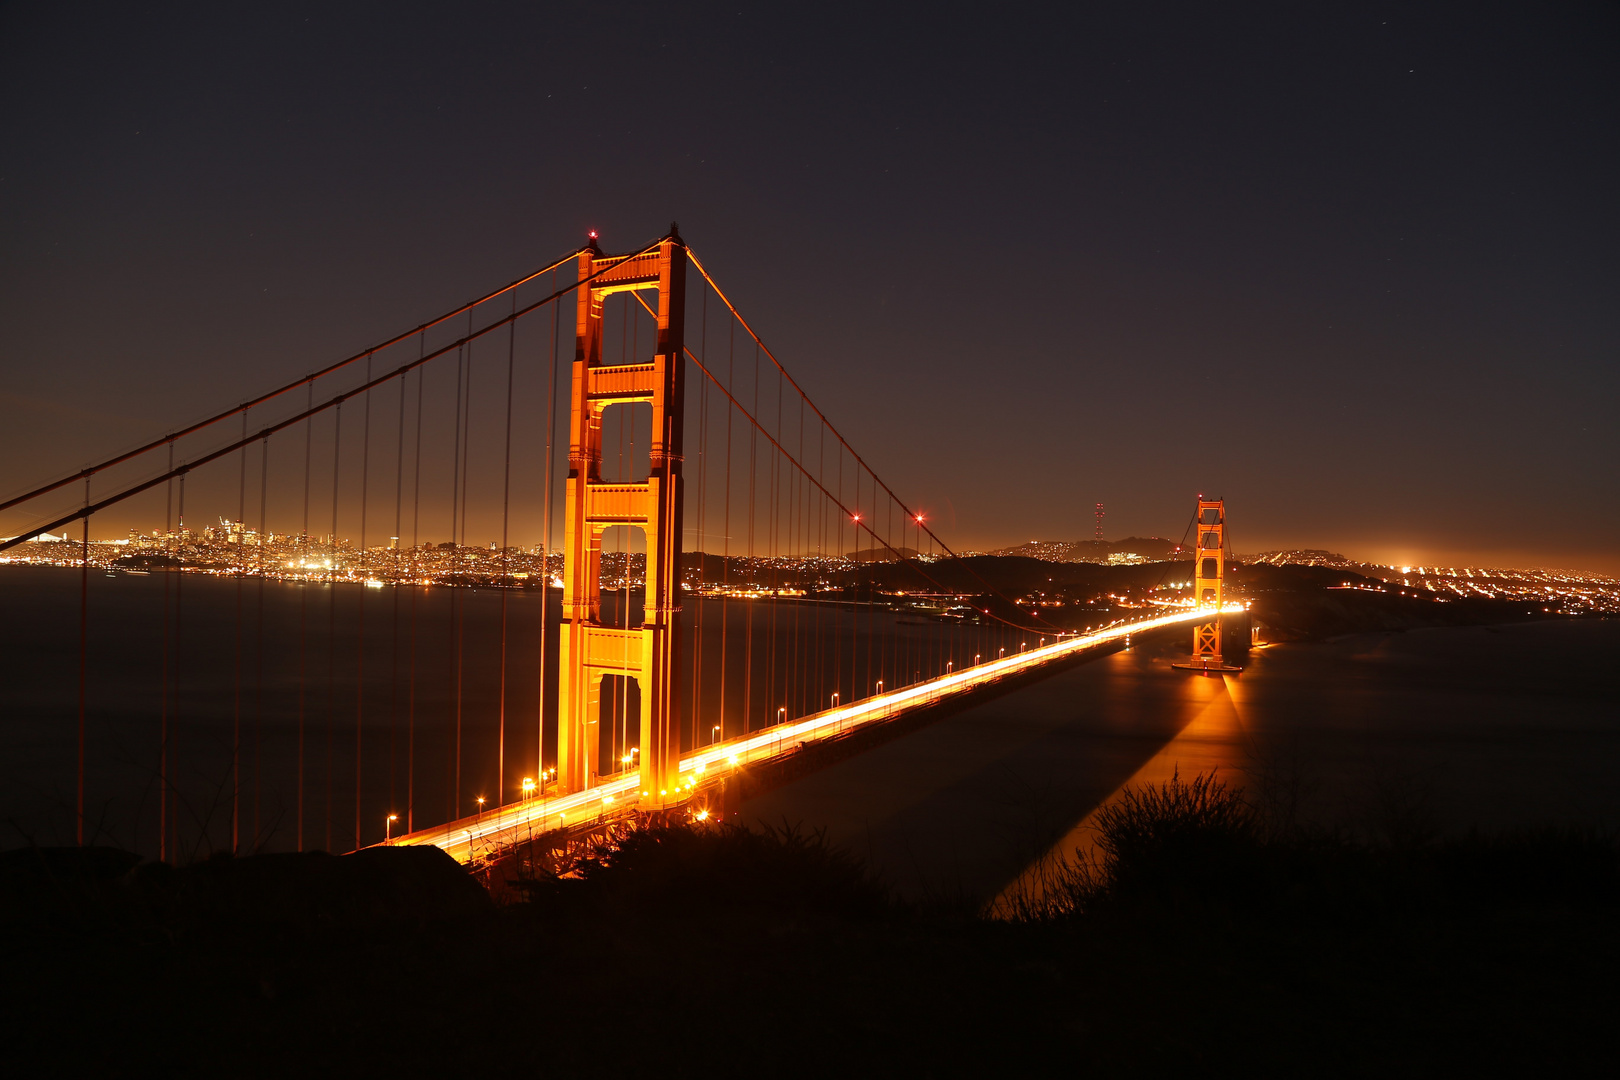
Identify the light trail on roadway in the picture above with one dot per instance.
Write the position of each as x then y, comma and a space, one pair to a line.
475, 836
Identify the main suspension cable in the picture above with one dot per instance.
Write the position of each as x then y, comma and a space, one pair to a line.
311, 378
290, 421
946, 548
876, 480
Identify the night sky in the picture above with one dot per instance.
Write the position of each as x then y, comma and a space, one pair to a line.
1351, 266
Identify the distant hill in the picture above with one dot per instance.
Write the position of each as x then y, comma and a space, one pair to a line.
1305, 557
1151, 548
883, 554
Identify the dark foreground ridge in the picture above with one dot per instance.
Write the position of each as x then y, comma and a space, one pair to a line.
1211, 936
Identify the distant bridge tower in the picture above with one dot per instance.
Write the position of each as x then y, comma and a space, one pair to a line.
1209, 571
1209, 568
1099, 524
588, 650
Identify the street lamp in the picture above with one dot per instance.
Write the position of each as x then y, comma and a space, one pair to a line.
528, 787
715, 733
880, 686
781, 715
388, 827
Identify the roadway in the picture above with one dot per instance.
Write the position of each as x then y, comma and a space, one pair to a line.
482, 834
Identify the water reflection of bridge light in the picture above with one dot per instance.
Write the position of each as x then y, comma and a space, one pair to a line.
1213, 738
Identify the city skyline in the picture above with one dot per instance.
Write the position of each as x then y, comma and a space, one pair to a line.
324, 558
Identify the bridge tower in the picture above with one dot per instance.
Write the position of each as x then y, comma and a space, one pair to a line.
1209, 572
1209, 569
588, 649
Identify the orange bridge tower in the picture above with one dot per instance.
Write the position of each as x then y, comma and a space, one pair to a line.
590, 651
1209, 572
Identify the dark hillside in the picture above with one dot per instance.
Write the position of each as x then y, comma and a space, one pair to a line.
721, 952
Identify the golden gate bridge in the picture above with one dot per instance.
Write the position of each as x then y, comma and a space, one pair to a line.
831, 604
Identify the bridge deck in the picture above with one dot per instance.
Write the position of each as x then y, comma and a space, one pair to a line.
474, 837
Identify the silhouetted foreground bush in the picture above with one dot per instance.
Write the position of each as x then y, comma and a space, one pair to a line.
1204, 936
682, 871
378, 890
1197, 846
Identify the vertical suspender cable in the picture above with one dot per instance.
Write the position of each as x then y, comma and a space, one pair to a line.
506, 573
838, 612
360, 600
897, 673
395, 585
626, 425
84, 658
179, 654
303, 615
802, 681
869, 687
821, 559
416, 595
725, 528
628, 470
902, 639
240, 536
453, 759
331, 625
258, 708
772, 697
545, 549
702, 537
894, 678
748, 622
461, 543
163, 695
